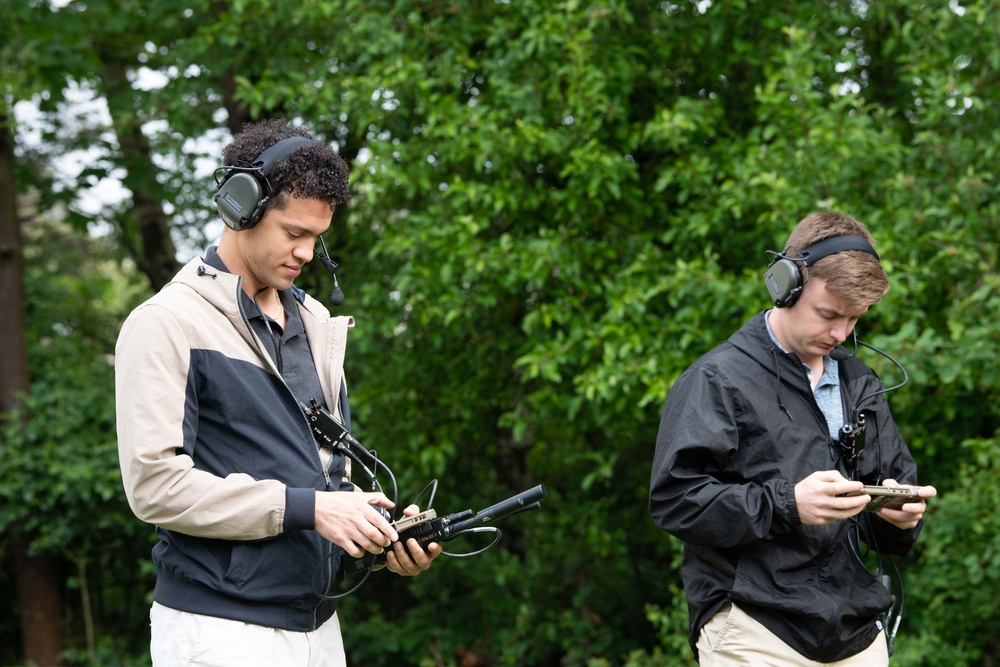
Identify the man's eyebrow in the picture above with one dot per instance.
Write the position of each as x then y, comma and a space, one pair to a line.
292, 225
827, 310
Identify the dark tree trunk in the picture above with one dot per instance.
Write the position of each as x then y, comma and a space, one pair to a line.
14, 362
145, 228
41, 617
238, 112
37, 584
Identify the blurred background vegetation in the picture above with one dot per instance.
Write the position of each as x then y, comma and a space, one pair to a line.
557, 207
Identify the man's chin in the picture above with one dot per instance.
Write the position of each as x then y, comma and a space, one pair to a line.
281, 284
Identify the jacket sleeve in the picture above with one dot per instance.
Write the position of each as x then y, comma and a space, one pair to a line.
691, 494
154, 415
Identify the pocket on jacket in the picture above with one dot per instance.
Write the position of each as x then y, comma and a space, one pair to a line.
244, 564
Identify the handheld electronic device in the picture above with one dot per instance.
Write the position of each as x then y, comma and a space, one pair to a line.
408, 522
427, 527
893, 497
424, 527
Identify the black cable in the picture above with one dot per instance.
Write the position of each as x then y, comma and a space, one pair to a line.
479, 529
891, 634
858, 534
324, 596
854, 539
859, 405
356, 450
432, 486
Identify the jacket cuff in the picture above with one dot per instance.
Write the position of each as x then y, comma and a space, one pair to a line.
300, 509
793, 508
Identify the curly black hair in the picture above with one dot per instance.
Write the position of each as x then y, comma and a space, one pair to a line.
312, 171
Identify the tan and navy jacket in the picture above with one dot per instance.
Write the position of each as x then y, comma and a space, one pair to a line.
216, 452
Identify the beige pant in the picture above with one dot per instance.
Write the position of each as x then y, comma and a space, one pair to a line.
731, 638
181, 638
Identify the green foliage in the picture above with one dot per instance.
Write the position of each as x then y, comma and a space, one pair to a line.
61, 485
953, 593
557, 208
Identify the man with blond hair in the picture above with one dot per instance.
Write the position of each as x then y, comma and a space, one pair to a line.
753, 467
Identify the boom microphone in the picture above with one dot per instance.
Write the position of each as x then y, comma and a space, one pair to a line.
840, 353
336, 295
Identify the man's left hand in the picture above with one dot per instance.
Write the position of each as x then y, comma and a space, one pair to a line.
409, 559
910, 514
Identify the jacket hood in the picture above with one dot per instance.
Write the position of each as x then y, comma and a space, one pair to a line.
217, 286
755, 342
224, 292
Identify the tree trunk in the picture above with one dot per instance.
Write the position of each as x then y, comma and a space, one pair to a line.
87, 605
14, 361
37, 584
41, 616
238, 112
145, 227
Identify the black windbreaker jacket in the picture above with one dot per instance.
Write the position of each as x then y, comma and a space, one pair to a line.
739, 429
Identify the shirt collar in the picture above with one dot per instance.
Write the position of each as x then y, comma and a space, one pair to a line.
293, 321
831, 369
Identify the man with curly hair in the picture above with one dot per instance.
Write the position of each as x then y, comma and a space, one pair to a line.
215, 379
754, 472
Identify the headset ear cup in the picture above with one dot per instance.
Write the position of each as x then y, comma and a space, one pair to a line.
784, 282
238, 200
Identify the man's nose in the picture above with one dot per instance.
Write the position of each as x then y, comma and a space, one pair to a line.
303, 251
841, 330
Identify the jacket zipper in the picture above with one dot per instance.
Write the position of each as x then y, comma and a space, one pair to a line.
326, 473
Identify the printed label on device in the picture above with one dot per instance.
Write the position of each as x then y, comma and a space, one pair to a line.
415, 520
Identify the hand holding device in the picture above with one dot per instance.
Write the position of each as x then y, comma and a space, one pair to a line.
892, 497
356, 522
406, 558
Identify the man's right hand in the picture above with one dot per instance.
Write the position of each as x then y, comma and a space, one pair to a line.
819, 500
351, 521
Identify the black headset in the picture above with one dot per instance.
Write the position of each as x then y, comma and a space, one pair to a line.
244, 191
784, 274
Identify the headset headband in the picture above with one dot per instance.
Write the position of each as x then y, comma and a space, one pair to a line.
784, 278
266, 161
832, 246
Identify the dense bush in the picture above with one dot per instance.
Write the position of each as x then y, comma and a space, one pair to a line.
556, 209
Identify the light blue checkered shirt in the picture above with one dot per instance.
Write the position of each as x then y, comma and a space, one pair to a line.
827, 392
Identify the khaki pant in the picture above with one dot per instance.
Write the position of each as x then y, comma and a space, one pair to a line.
181, 638
731, 638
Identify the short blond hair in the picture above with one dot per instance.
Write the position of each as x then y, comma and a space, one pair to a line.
855, 276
